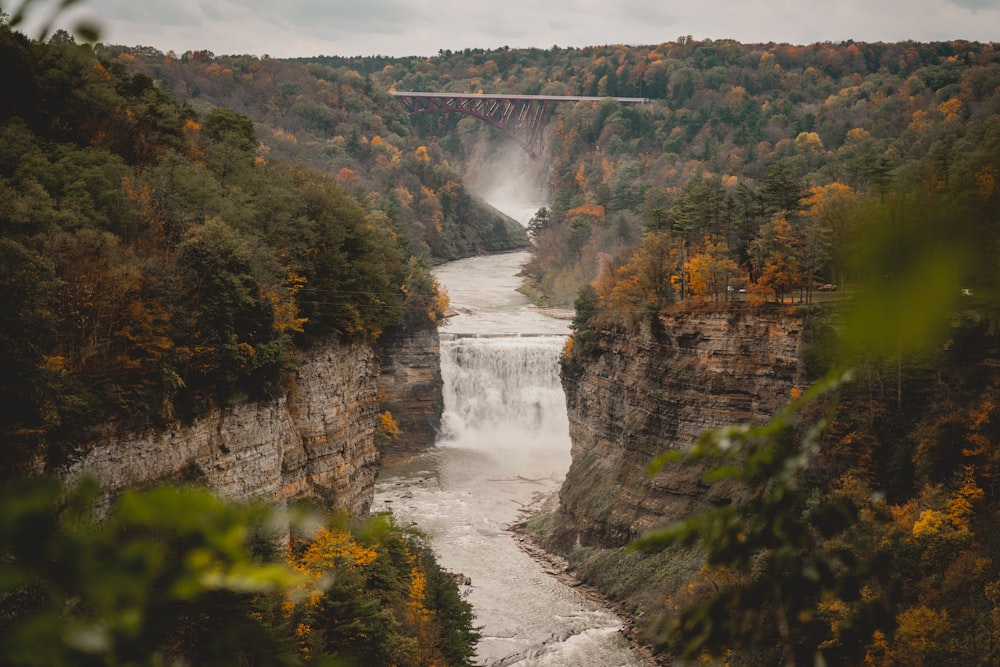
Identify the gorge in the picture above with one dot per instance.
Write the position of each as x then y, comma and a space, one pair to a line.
504, 448
505, 442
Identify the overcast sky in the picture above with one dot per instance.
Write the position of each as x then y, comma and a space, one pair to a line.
288, 28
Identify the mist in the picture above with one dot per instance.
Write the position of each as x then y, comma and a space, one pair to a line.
509, 179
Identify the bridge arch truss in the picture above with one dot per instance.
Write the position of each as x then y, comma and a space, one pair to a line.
521, 117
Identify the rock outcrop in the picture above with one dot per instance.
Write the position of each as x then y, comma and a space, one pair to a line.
318, 441
636, 395
410, 388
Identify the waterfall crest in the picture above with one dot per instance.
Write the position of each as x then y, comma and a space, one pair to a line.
502, 389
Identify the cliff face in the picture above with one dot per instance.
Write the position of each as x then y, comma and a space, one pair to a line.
410, 388
638, 395
319, 441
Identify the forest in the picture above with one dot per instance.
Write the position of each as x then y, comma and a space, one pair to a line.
161, 245
857, 181
155, 264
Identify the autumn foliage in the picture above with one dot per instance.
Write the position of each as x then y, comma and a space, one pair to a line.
375, 595
173, 264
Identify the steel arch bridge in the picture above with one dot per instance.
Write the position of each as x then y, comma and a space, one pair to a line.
521, 117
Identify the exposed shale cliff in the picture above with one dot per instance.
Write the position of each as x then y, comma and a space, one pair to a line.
410, 388
634, 395
317, 441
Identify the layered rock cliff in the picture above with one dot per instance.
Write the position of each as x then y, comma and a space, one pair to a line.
318, 441
638, 394
410, 388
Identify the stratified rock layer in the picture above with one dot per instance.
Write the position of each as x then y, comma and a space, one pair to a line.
319, 441
639, 394
410, 388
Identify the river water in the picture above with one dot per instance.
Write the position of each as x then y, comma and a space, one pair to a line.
504, 447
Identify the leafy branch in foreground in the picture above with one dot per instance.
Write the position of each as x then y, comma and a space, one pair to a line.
175, 575
770, 558
85, 30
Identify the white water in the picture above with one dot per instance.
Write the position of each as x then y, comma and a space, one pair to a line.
504, 447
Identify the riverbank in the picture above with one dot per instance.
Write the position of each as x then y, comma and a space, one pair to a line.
558, 568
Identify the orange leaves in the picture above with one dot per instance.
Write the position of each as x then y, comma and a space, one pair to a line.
581, 177
346, 175
592, 211
711, 270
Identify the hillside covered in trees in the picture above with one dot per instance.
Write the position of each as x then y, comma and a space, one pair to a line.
749, 155
156, 263
340, 122
867, 538
161, 256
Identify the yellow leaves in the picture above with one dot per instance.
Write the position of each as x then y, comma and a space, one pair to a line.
951, 109
567, 352
952, 523
100, 69
985, 181
404, 195
389, 427
921, 121
422, 154
439, 304
857, 135
54, 364
837, 613
736, 96
919, 630
808, 142
960, 505
930, 524
330, 549
286, 311
285, 135
711, 269
878, 653
303, 632
387, 156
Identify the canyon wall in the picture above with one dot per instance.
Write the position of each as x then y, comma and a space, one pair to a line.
635, 395
318, 441
410, 388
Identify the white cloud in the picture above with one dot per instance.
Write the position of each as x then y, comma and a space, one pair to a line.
418, 27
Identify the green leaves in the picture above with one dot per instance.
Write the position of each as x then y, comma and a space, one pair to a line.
74, 590
768, 543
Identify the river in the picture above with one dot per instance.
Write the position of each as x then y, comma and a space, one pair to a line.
504, 447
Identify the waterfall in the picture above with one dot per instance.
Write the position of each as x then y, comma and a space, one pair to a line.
502, 390
504, 449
